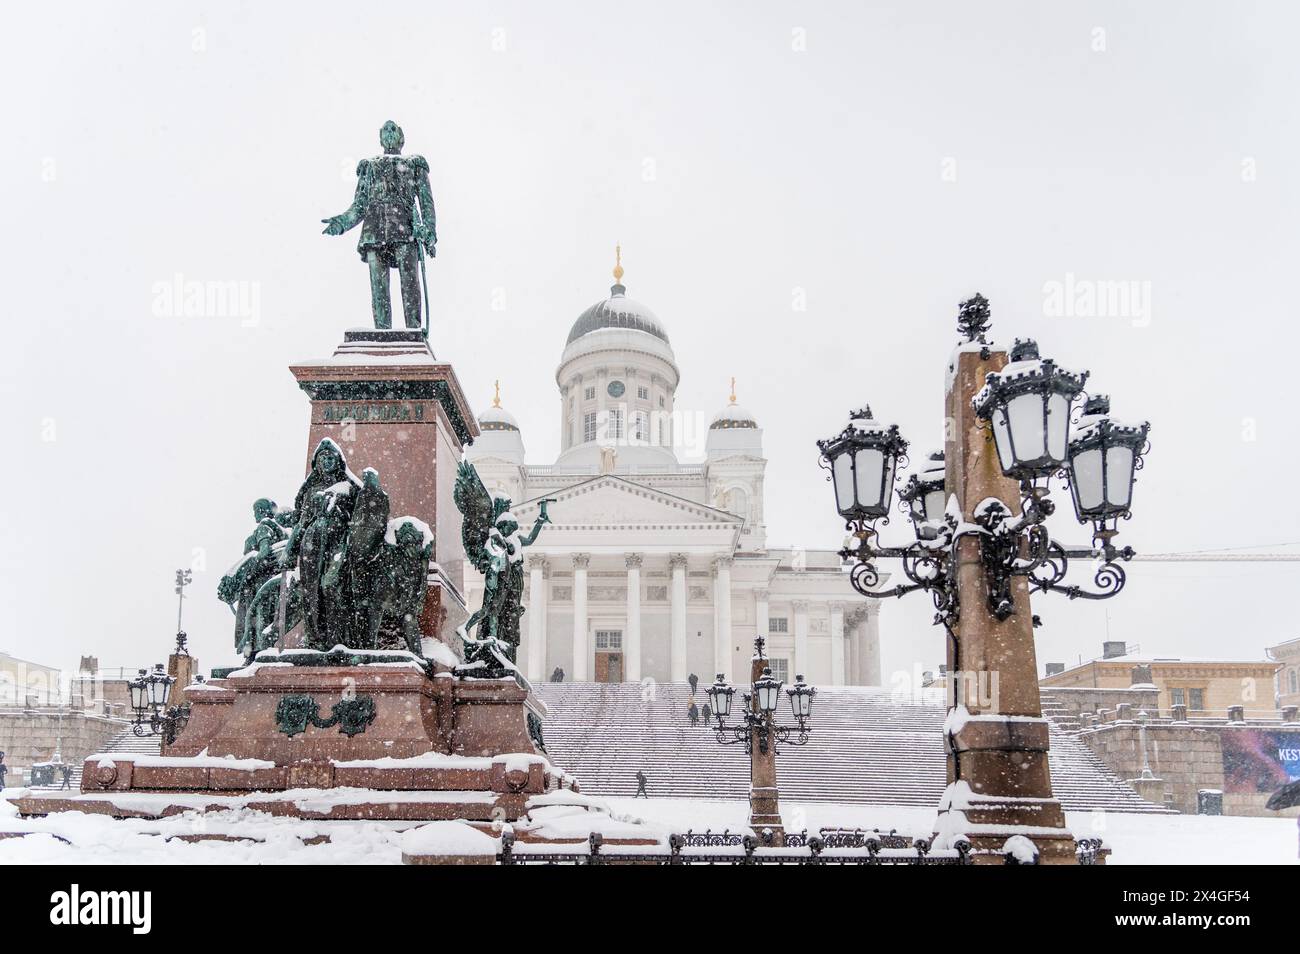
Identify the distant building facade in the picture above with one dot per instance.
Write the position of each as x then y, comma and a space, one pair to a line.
1207, 687
1287, 655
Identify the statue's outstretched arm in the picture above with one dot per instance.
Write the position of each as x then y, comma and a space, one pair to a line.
542, 520
537, 528
338, 224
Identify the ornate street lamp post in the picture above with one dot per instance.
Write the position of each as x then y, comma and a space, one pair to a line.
150, 692
759, 732
979, 513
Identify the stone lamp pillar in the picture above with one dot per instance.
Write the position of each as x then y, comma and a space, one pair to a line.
764, 798
1000, 749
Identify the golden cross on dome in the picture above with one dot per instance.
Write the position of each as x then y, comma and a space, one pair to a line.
618, 263
733, 390
496, 398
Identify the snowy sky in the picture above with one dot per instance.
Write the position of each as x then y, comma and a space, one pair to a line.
803, 194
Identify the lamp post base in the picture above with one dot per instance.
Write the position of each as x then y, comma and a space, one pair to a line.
765, 815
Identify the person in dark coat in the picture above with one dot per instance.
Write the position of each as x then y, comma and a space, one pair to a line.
693, 714
694, 680
67, 776
4, 770
706, 714
640, 785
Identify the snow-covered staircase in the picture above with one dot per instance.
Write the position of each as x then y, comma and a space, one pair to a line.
865, 747
124, 742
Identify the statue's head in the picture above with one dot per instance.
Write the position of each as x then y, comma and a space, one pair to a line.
391, 138
328, 458
263, 509
370, 478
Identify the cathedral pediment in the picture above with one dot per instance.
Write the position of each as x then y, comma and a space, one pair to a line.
612, 502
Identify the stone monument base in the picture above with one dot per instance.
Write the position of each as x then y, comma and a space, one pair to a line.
347, 734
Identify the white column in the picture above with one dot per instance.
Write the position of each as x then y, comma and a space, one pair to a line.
837, 644
580, 652
677, 647
762, 615
722, 616
871, 675
632, 640
853, 623
536, 618
801, 639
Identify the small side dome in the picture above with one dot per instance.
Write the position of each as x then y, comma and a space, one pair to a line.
497, 418
733, 415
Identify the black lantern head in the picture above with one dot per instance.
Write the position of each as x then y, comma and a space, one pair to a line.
767, 688
1028, 404
720, 697
801, 696
863, 460
139, 691
159, 686
923, 495
1104, 457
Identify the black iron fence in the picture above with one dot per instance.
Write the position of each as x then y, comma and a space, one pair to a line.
830, 846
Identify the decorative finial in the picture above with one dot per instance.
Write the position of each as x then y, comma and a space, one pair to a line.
618, 264
496, 397
973, 319
733, 390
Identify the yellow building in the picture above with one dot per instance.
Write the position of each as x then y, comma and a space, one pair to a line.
1288, 676
1208, 687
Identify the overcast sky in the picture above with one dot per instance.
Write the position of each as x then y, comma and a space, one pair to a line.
803, 193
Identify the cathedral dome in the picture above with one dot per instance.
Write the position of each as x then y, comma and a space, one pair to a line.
617, 311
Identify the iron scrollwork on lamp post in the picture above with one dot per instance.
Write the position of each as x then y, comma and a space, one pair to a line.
1028, 406
759, 707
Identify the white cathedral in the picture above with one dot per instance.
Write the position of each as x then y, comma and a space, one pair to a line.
652, 567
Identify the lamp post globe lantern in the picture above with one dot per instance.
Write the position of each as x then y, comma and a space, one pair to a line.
801, 697
139, 691
720, 698
924, 494
159, 686
1104, 457
1028, 405
863, 459
767, 690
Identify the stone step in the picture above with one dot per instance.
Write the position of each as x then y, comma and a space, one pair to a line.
867, 746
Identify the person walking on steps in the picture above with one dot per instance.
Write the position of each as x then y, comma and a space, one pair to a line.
640, 785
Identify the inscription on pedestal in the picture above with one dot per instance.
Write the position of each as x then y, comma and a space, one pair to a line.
373, 412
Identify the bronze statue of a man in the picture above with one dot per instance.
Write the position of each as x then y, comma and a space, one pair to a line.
394, 206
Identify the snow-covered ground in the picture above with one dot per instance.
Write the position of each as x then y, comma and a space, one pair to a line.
76, 838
